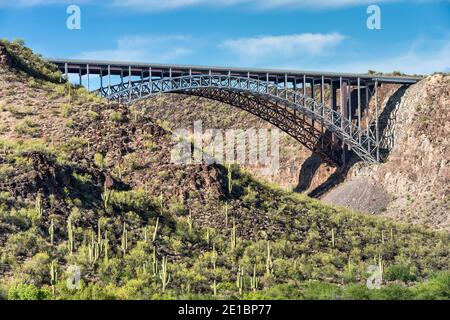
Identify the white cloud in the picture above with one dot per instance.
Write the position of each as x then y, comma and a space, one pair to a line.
32, 3
145, 49
424, 57
158, 5
283, 46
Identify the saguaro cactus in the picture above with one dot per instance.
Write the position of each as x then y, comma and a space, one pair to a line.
214, 257
269, 262
226, 214
229, 179
154, 263
105, 246
38, 205
53, 276
332, 238
240, 279
155, 232
214, 286
254, 280
164, 276
70, 235
51, 231
233, 237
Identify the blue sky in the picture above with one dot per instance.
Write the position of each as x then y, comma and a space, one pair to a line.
297, 34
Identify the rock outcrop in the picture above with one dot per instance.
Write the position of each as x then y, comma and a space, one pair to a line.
413, 184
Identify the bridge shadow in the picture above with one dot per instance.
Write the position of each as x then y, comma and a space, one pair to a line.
386, 126
387, 122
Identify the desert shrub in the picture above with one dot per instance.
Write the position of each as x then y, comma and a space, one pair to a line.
36, 270
437, 288
399, 272
133, 200
24, 59
391, 292
99, 160
27, 127
277, 292
116, 116
176, 206
26, 243
27, 292
316, 290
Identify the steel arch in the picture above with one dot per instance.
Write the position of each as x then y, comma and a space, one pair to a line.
282, 106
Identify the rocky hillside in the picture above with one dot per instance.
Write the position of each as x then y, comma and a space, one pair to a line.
414, 184
408, 187
180, 111
88, 185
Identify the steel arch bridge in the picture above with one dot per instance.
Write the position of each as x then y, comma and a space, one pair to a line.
275, 96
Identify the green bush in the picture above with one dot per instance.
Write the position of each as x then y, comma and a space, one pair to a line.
399, 272
27, 292
437, 288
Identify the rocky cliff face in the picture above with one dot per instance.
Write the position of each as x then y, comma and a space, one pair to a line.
413, 184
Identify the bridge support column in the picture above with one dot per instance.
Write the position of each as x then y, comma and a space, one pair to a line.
376, 121
150, 80
109, 79
367, 115
349, 91
304, 93
87, 73
101, 79
129, 83
322, 100
359, 110
66, 72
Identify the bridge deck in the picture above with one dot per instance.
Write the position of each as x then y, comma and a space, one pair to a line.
83, 67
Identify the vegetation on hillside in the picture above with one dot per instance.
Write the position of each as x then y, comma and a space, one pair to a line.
104, 203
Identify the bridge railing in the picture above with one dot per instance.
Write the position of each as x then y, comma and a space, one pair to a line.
362, 141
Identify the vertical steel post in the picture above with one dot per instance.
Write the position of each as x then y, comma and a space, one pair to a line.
349, 92
267, 82
87, 72
304, 95
322, 85
109, 79
129, 83
170, 78
333, 100
294, 85
333, 108
101, 79
376, 121
150, 79
359, 110
322, 100
276, 83
367, 117
129, 76
66, 72
79, 75
142, 83
341, 102
285, 85
313, 96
